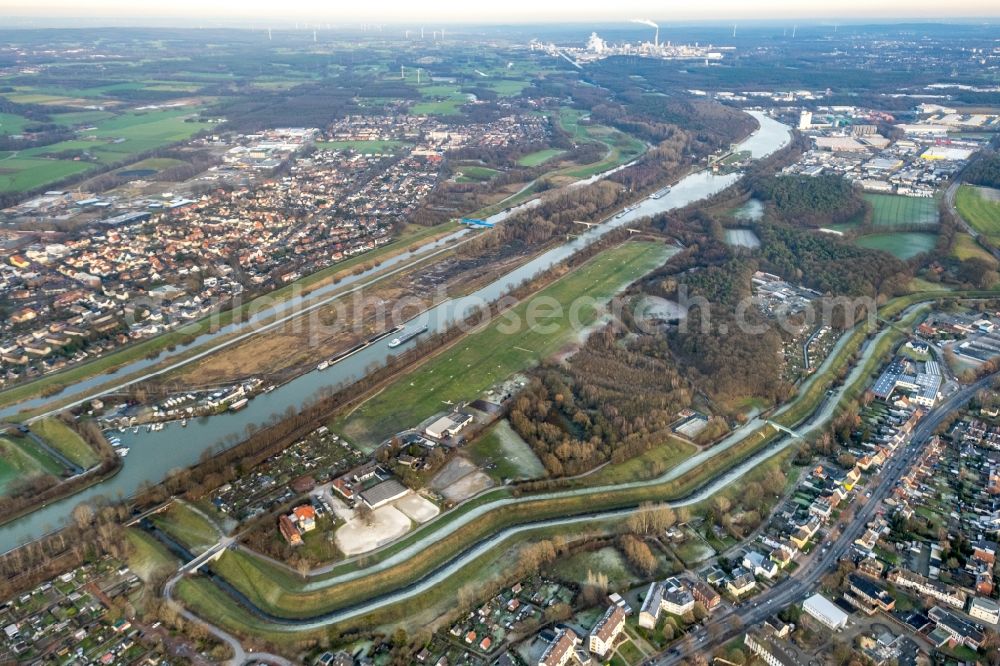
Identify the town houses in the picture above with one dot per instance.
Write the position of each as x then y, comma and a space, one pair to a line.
283, 203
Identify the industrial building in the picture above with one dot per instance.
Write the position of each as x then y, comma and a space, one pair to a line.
448, 426
827, 612
902, 373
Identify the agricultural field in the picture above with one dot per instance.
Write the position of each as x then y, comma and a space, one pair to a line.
12, 124
74, 118
904, 245
20, 174
890, 211
508, 87
65, 440
493, 353
440, 100
980, 207
115, 139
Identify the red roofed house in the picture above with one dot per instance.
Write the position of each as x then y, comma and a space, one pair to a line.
305, 517
288, 531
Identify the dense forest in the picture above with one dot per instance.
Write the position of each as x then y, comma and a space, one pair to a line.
610, 401
828, 264
985, 171
726, 349
809, 201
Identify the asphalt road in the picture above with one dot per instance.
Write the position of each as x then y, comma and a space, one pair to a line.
803, 581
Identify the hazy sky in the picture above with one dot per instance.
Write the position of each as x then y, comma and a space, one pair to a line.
520, 11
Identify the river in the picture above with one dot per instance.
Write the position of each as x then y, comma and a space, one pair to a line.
153, 455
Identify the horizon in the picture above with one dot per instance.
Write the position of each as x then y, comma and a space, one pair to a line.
252, 24
190, 13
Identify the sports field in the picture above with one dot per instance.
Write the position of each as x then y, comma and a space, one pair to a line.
901, 244
364, 147
494, 353
980, 207
891, 211
538, 157
475, 174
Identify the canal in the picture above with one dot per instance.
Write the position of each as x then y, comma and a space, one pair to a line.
154, 454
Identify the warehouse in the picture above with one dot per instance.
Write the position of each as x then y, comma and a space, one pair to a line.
825, 611
448, 426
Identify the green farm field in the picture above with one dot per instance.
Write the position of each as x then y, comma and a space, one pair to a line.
891, 211
980, 207
492, 354
115, 139
900, 244
12, 124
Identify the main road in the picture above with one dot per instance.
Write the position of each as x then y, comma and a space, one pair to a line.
803, 581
